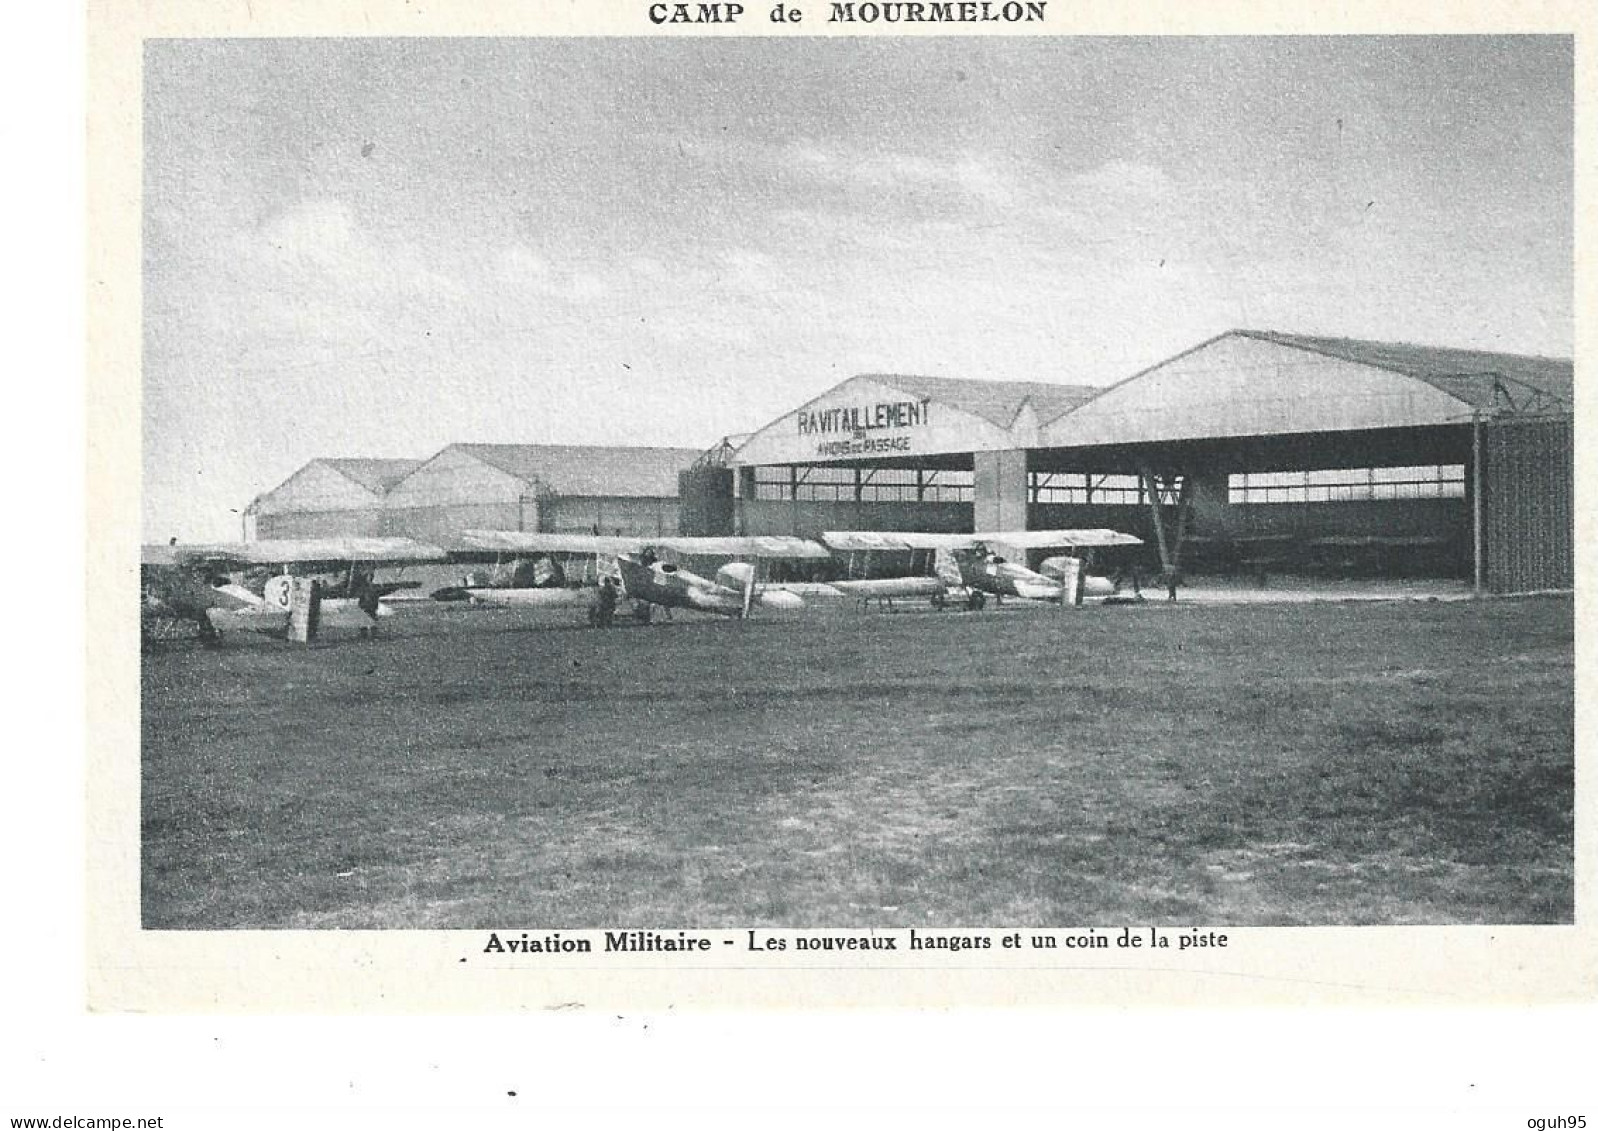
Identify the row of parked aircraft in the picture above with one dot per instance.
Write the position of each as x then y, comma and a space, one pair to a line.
196, 583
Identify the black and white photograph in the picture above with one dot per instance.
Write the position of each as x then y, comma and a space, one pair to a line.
856, 484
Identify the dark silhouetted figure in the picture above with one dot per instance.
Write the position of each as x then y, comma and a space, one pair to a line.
604, 612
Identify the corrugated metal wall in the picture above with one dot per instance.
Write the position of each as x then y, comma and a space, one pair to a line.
1529, 475
706, 495
567, 514
320, 524
439, 523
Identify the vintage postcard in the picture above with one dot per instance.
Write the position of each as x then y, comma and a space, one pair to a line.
836, 503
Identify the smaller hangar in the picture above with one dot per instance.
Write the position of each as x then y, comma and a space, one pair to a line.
327, 498
539, 487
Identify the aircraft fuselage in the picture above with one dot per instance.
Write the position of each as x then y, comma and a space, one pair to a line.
676, 588
185, 594
1006, 579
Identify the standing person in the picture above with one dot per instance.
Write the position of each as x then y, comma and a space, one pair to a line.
648, 557
605, 610
363, 587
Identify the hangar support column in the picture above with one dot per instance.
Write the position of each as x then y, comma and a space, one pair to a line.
999, 481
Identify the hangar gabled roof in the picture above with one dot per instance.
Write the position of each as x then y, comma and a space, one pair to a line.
571, 469
327, 484
376, 475
901, 415
1263, 383
995, 401
1465, 374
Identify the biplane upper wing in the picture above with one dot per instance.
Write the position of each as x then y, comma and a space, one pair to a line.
529, 542
763, 546
1052, 539
852, 541
858, 540
298, 551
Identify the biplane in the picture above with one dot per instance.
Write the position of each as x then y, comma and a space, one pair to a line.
644, 577
199, 583
967, 565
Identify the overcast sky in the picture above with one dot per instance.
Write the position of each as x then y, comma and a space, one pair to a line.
376, 248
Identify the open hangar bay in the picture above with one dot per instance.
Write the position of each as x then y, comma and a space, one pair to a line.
1337, 763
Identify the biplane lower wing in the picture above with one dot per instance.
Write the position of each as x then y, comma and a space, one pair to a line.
529, 598
884, 588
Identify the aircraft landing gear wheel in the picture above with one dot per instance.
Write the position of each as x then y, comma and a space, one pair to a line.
976, 601
939, 601
643, 613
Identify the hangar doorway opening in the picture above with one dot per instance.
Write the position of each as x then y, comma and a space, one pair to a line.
1389, 504
932, 495
935, 495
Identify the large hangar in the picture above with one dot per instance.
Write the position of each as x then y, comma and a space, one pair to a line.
1253, 451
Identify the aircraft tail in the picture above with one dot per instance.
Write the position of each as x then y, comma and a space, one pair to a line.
277, 597
634, 576
1067, 570
947, 568
741, 577
1063, 570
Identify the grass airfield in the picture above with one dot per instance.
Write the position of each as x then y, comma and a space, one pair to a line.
1334, 763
